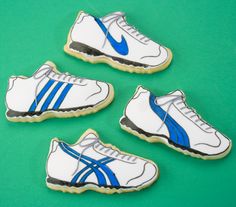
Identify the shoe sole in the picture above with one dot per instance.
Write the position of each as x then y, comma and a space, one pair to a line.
65, 114
115, 63
106, 190
154, 139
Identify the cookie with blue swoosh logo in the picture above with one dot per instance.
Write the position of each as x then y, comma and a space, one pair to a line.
110, 39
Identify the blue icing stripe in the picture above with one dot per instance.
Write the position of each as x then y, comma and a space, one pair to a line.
103, 167
62, 96
177, 134
40, 95
82, 180
90, 166
51, 96
100, 177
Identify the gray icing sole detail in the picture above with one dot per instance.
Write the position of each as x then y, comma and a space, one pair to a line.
65, 183
126, 122
12, 113
94, 52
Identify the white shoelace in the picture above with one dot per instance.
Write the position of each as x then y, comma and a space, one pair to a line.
103, 149
48, 71
192, 114
115, 153
130, 29
187, 111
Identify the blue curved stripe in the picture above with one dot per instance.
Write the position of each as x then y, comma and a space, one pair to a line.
120, 47
177, 134
83, 179
40, 95
100, 177
62, 96
107, 170
51, 96
75, 178
91, 165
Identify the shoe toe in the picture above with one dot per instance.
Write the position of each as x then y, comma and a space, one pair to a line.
103, 92
161, 56
217, 148
224, 145
164, 55
148, 175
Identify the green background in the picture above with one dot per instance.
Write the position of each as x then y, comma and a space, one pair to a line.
202, 36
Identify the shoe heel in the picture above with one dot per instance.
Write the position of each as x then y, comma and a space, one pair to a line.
11, 113
125, 122
80, 47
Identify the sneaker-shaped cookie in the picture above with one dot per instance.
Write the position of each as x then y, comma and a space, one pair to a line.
110, 39
90, 164
169, 120
49, 93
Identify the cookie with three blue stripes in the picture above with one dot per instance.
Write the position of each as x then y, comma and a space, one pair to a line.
49, 93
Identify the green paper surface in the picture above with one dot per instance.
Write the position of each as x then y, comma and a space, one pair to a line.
202, 37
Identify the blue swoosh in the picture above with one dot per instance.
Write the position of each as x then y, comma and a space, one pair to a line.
120, 47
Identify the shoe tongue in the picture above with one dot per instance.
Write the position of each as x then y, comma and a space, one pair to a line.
177, 93
171, 96
113, 15
88, 137
43, 69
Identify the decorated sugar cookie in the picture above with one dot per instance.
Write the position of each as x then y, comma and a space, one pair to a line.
168, 119
89, 164
110, 39
49, 93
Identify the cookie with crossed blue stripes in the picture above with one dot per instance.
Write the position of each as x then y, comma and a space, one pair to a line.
89, 164
49, 93
168, 119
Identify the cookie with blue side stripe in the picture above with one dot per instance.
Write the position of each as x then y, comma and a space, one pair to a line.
169, 120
